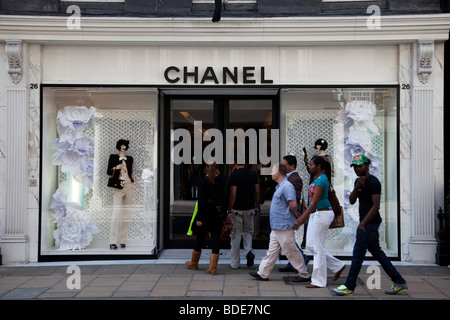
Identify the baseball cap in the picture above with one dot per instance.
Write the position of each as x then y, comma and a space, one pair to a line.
359, 159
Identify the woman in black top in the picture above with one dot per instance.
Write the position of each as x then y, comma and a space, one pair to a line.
121, 166
210, 216
117, 161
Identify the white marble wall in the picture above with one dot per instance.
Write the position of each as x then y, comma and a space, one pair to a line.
34, 76
405, 69
438, 126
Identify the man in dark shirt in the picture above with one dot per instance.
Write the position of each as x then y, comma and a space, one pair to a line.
244, 195
368, 190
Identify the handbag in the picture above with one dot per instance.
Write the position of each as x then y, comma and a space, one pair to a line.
115, 182
338, 221
226, 229
227, 224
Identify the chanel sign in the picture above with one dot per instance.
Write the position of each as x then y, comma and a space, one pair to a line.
246, 75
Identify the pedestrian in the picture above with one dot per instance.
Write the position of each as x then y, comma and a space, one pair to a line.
321, 146
320, 215
367, 190
242, 206
282, 237
209, 218
293, 177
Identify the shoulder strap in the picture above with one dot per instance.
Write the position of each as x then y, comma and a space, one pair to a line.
331, 185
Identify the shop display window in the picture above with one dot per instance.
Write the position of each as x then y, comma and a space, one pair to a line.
83, 129
345, 122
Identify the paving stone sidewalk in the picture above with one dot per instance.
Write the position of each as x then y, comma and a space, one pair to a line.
168, 278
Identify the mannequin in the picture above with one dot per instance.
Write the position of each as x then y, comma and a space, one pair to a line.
321, 145
123, 198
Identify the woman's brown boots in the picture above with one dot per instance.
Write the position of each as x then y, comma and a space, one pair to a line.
193, 264
214, 258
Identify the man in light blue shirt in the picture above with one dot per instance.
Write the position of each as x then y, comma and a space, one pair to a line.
281, 217
282, 236
294, 178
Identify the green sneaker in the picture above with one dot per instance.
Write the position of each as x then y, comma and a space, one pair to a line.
342, 291
396, 288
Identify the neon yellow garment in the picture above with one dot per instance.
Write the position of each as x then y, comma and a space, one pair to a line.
189, 233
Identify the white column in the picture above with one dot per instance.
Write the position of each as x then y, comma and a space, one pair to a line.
423, 240
14, 240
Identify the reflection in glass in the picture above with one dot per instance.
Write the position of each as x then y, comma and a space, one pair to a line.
245, 114
255, 114
185, 176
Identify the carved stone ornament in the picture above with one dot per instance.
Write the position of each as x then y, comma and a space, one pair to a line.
425, 56
14, 54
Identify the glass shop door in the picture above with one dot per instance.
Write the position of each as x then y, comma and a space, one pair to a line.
190, 117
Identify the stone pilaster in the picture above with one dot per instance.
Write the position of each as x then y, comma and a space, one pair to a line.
14, 240
423, 239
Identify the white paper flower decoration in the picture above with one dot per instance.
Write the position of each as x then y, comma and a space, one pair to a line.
359, 131
72, 122
75, 151
74, 230
360, 110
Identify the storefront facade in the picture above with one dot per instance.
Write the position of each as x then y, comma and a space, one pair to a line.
74, 93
